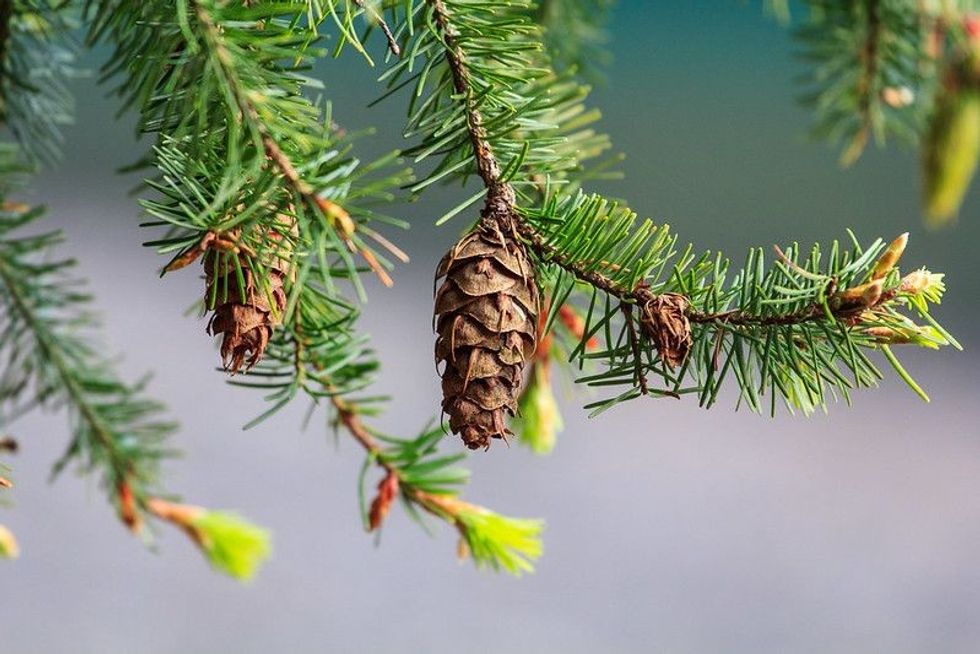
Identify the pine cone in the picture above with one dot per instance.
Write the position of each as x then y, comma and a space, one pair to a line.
245, 323
663, 321
486, 314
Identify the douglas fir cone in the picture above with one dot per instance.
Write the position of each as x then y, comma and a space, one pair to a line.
486, 318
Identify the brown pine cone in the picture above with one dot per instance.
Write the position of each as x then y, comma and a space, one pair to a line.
663, 320
486, 315
245, 323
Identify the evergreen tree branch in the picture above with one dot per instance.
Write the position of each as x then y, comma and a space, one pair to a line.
300, 361
486, 161
117, 430
51, 359
686, 305
425, 482
228, 105
34, 65
376, 17
872, 76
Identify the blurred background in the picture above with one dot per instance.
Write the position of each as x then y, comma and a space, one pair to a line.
670, 529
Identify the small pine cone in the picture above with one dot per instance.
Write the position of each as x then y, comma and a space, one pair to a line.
245, 323
486, 318
664, 322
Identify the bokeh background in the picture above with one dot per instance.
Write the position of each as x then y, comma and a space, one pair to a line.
670, 529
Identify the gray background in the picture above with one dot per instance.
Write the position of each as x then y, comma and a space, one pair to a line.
669, 528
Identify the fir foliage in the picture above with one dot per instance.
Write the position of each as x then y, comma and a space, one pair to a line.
35, 63
870, 75
249, 172
902, 70
773, 328
53, 357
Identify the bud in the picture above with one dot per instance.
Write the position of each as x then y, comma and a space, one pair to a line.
663, 320
128, 510
387, 492
922, 282
575, 324
890, 257
8, 544
911, 334
972, 26
540, 419
231, 544
858, 298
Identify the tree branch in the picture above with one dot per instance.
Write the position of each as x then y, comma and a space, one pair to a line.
338, 217
501, 200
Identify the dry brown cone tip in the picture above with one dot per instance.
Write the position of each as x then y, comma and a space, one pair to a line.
245, 315
664, 321
486, 320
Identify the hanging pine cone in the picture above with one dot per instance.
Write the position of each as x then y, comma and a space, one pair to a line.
486, 314
246, 322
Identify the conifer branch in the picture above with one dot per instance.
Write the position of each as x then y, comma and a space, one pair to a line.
412, 468
116, 429
337, 216
871, 75
866, 87
685, 303
255, 179
51, 360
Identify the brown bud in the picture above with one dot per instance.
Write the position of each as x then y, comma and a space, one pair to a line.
888, 335
246, 314
128, 511
890, 256
575, 324
858, 298
663, 320
387, 492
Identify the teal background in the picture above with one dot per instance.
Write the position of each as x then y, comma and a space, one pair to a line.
670, 529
